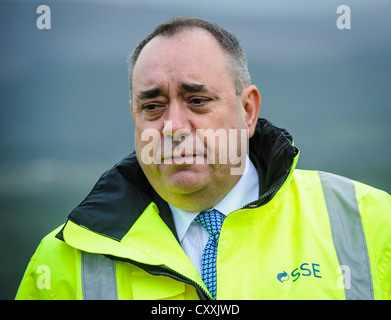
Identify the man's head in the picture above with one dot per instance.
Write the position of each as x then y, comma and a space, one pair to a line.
186, 92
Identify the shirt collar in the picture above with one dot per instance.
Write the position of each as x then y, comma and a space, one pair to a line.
245, 191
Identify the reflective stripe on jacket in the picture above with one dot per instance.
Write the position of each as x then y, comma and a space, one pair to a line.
310, 235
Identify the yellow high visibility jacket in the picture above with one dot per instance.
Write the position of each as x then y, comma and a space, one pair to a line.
310, 235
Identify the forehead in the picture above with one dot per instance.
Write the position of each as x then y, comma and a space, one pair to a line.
189, 56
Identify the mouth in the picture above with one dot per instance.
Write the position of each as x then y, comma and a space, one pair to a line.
182, 158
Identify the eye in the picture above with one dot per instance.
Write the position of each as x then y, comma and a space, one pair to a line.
151, 107
152, 111
198, 101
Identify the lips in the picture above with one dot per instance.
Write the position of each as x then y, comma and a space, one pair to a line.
175, 156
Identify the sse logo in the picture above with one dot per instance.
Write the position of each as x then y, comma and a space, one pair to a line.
305, 270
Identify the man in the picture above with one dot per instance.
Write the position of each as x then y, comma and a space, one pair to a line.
185, 217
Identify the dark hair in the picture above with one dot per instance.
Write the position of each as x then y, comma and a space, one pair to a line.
226, 39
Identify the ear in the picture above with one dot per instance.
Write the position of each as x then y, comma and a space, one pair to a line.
251, 100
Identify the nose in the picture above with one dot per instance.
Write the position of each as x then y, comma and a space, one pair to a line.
177, 123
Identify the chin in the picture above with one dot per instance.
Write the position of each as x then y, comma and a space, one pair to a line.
186, 182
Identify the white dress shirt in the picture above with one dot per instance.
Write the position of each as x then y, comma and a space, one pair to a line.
192, 236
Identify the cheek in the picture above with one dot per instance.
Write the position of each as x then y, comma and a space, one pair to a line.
137, 142
147, 146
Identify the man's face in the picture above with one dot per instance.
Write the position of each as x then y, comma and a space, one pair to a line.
182, 86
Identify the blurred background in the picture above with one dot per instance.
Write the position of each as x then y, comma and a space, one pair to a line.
65, 118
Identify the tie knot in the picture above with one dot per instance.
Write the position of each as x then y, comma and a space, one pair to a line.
212, 221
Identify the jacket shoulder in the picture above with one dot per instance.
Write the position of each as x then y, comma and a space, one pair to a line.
375, 210
374, 204
51, 272
375, 207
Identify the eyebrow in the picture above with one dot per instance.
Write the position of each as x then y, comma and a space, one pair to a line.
188, 87
150, 94
193, 87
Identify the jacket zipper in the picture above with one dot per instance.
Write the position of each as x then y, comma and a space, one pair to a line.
163, 270
261, 200
178, 276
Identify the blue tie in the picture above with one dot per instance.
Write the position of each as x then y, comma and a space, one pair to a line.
212, 222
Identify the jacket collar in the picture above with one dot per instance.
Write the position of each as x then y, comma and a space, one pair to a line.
123, 193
